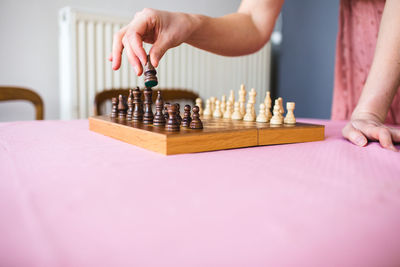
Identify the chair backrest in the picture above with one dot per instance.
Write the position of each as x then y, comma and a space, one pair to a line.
168, 94
8, 93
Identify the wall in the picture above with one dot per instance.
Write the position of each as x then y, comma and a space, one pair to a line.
307, 53
29, 42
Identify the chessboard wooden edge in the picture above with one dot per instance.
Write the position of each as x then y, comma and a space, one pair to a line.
206, 141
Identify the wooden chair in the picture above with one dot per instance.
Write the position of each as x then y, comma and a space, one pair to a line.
167, 94
8, 93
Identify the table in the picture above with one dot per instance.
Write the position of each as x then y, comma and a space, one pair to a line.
71, 197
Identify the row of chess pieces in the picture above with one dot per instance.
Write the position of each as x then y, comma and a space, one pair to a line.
167, 115
239, 110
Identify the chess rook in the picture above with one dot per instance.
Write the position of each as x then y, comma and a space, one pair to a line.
148, 101
150, 78
159, 119
290, 119
172, 124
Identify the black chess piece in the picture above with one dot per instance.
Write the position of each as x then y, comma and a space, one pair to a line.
178, 114
148, 101
159, 119
186, 116
122, 107
166, 110
130, 109
137, 102
172, 123
114, 108
150, 78
196, 122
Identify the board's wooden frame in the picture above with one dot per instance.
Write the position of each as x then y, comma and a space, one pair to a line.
217, 134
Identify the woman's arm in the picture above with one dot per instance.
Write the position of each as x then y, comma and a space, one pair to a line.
236, 34
381, 86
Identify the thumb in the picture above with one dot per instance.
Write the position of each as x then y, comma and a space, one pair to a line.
157, 51
354, 135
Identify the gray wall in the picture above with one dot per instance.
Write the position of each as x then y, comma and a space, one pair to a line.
307, 54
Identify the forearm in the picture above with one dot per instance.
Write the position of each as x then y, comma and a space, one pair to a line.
384, 77
239, 33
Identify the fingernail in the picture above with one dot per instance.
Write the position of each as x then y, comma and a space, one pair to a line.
360, 141
136, 70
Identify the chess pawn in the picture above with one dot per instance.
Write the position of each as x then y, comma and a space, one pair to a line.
223, 104
199, 103
166, 110
114, 108
172, 124
236, 115
150, 78
186, 116
217, 112
249, 116
122, 107
261, 114
281, 109
228, 111
196, 122
207, 111
277, 117
159, 119
130, 109
290, 119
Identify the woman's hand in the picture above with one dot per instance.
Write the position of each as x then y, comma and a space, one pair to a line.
366, 126
161, 28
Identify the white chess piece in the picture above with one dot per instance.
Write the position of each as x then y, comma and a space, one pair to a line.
252, 96
231, 96
277, 118
217, 112
290, 119
281, 109
223, 103
199, 103
228, 111
212, 102
249, 116
268, 105
236, 115
261, 114
242, 99
207, 111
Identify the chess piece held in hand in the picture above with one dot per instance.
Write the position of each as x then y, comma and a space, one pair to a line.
150, 78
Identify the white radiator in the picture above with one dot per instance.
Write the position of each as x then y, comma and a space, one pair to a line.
85, 43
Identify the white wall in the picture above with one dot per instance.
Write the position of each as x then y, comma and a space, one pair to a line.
29, 42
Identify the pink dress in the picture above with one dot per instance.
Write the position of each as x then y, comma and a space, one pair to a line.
358, 31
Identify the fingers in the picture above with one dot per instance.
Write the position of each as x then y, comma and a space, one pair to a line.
136, 43
353, 135
385, 139
157, 51
132, 58
117, 48
395, 134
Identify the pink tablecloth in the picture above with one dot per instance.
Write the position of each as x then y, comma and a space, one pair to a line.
71, 197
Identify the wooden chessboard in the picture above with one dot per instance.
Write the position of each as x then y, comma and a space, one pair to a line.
217, 134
